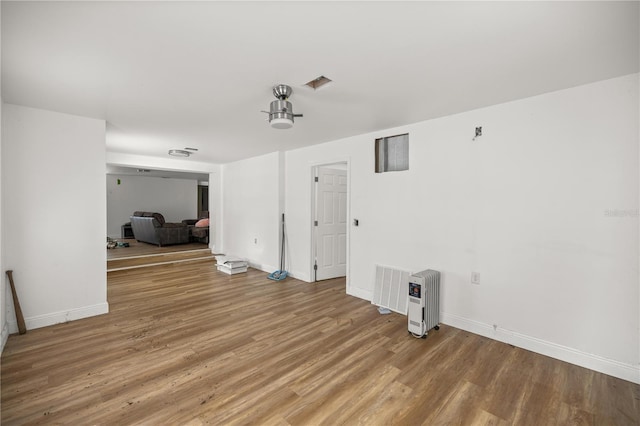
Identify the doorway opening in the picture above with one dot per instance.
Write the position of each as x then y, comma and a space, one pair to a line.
203, 201
330, 230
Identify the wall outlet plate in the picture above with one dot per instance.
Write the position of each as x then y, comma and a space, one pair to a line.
475, 278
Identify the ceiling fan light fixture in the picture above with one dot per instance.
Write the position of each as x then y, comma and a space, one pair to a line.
281, 123
281, 111
179, 153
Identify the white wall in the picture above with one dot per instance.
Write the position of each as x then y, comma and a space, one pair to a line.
544, 206
54, 217
251, 210
175, 199
4, 326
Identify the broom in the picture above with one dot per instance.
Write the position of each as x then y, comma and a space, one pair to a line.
280, 274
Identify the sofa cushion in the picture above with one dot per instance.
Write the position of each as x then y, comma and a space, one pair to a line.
159, 218
174, 225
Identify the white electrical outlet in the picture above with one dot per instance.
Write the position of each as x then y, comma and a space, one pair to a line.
475, 278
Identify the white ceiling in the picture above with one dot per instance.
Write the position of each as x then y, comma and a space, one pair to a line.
197, 74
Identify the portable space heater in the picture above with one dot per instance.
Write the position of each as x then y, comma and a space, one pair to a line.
424, 302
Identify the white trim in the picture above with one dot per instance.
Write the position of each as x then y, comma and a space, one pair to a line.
300, 276
359, 292
593, 362
260, 267
269, 270
63, 316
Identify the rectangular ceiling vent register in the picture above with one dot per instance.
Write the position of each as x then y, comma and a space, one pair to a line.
318, 82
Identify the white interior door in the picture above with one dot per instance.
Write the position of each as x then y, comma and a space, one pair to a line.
331, 220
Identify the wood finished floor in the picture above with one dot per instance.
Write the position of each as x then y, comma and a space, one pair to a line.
186, 344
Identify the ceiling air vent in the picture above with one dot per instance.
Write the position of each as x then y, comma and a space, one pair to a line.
179, 153
318, 82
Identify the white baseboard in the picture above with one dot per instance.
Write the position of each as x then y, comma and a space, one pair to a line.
269, 269
45, 320
593, 362
299, 276
359, 292
260, 267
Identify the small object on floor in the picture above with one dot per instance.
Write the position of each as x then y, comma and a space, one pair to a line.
231, 265
278, 275
111, 243
383, 311
121, 244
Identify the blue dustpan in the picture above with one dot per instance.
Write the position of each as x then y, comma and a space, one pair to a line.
278, 275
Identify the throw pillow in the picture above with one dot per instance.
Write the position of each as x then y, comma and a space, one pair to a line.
202, 223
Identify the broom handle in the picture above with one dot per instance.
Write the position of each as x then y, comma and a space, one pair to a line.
282, 249
22, 328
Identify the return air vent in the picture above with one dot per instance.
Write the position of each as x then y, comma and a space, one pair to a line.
318, 82
390, 289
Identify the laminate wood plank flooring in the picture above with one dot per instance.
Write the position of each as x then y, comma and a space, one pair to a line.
186, 344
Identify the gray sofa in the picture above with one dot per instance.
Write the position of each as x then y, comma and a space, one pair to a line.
151, 228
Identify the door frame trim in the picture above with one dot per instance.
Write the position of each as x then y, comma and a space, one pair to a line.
313, 168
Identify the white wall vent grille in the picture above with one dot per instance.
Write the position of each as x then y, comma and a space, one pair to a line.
391, 289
